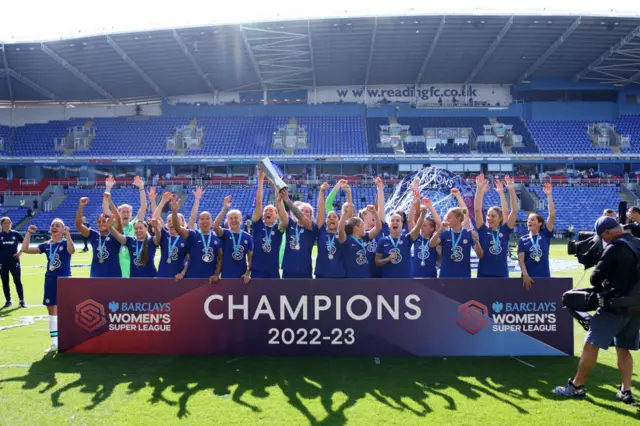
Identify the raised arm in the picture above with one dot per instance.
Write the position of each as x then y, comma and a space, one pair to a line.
476, 245
71, 248
302, 220
456, 193
513, 214
116, 233
346, 210
226, 205
157, 236
197, 194
482, 186
414, 211
377, 227
434, 214
415, 232
157, 212
175, 203
347, 190
435, 238
257, 211
117, 220
282, 213
320, 213
153, 196
551, 220
84, 231
109, 182
328, 204
26, 242
380, 198
139, 183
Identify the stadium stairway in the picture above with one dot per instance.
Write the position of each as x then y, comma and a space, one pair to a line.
628, 195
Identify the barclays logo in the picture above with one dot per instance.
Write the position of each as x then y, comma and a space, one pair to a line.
497, 307
113, 306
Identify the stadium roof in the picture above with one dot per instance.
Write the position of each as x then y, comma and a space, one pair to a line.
358, 51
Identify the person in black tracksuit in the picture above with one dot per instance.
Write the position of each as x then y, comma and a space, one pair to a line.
10, 242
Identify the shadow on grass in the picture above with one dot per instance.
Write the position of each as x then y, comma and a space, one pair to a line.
402, 384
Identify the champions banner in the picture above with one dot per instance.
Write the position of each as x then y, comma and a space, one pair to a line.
430, 317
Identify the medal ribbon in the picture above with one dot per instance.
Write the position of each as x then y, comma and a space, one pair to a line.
454, 241
52, 253
206, 243
236, 245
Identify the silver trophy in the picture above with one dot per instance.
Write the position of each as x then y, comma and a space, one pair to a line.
270, 171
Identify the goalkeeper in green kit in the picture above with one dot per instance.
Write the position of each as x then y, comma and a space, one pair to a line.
126, 211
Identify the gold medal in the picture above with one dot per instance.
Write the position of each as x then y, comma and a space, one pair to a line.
51, 268
297, 246
537, 259
101, 260
207, 259
422, 263
169, 260
330, 257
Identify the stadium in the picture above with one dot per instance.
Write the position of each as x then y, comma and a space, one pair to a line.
536, 100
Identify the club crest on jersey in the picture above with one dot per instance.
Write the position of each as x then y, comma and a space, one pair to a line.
361, 258
398, 258
372, 246
331, 248
457, 254
495, 248
207, 255
239, 254
266, 248
424, 254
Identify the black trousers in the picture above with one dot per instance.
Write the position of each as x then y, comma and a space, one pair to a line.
12, 266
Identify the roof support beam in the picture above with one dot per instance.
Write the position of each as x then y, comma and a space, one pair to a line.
35, 86
53, 55
551, 49
633, 79
252, 57
432, 48
135, 67
187, 53
6, 71
490, 50
313, 64
373, 42
613, 49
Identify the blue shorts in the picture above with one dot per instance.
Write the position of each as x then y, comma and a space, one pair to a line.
50, 291
622, 330
261, 274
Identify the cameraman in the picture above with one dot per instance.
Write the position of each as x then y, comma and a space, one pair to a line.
615, 275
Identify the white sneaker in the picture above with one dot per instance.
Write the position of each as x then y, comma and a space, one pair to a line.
52, 348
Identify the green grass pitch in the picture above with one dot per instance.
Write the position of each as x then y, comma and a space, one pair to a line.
71, 389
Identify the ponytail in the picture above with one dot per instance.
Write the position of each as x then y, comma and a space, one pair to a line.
144, 255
